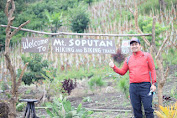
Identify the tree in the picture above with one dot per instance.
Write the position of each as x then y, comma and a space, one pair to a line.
9, 34
79, 18
79, 23
3, 18
35, 67
161, 75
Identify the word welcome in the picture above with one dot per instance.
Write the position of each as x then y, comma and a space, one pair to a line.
36, 45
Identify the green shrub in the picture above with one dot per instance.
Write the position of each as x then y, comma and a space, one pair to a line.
61, 108
79, 18
96, 81
79, 23
35, 68
53, 85
76, 74
20, 106
66, 4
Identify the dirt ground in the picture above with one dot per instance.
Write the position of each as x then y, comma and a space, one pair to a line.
107, 102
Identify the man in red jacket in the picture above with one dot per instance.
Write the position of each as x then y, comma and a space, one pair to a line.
141, 74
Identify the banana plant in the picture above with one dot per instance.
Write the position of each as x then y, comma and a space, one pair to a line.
54, 20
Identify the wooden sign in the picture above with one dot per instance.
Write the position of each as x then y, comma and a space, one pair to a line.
40, 45
83, 46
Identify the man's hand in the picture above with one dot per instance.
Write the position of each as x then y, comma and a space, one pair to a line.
111, 63
153, 88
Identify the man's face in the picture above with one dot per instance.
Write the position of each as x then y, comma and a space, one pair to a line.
135, 47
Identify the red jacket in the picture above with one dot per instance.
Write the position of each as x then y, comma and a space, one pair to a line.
139, 66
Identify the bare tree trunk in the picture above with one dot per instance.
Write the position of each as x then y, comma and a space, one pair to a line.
162, 76
160, 95
12, 101
9, 35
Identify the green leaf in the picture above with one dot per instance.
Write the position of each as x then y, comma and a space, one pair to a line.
70, 114
79, 107
67, 106
49, 113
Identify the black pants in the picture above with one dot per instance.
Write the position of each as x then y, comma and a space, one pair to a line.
139, 94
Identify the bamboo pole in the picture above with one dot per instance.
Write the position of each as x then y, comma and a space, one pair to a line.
79, 34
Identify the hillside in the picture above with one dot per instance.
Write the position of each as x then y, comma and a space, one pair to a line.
81, 77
